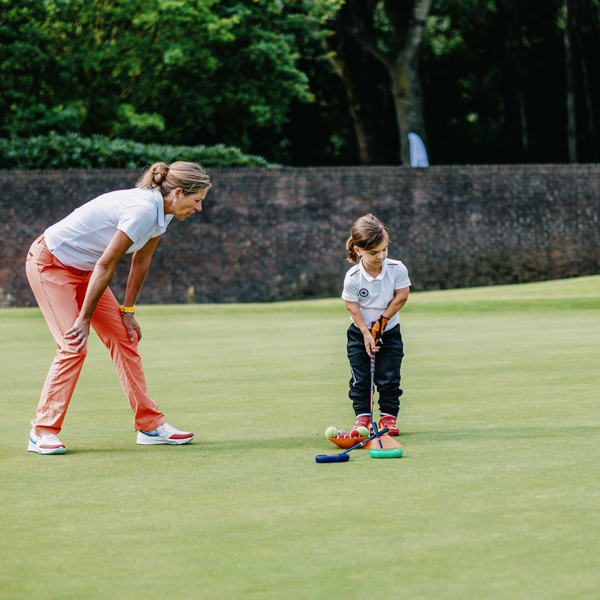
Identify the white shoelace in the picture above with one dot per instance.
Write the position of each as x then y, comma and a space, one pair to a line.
166, 428
48, 438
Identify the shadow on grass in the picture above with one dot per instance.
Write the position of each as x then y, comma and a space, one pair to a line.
280, 443
116, 450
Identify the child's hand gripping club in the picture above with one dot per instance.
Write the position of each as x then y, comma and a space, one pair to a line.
377, 328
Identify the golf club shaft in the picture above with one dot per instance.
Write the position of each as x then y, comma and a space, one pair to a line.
373, 424
372, 382
382, 432
377, 434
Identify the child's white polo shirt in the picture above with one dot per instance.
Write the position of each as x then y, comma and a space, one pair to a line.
81, 238
374, 294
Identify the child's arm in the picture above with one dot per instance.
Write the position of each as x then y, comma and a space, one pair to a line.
359, 321
398, 301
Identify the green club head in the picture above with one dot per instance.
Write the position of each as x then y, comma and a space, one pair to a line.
391, 453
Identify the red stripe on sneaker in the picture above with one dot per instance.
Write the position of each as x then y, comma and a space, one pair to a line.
181, 436
52, 447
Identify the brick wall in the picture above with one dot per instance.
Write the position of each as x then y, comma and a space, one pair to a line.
279, 234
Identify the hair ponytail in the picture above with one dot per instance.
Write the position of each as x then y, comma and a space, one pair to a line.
188, 176
367, 233
352, 256
154, 176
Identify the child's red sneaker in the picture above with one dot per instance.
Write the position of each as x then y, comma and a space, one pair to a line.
363, 421
389, 422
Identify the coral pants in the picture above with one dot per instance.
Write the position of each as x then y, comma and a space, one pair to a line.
60, 291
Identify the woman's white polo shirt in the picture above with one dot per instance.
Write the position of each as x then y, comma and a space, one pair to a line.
81, 238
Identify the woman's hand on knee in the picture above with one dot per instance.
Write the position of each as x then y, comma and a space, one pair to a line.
79, 333
132, 325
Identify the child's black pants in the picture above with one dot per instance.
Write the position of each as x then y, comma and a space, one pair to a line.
387, 371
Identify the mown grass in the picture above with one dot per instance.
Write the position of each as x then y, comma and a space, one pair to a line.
497, 496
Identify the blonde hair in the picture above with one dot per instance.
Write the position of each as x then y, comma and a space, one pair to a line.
366, 233
188, 176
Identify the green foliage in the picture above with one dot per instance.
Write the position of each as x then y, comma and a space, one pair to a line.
140, 126
253, 74
71, 151
169, 71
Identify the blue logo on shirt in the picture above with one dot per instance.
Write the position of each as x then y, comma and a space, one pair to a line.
364, 292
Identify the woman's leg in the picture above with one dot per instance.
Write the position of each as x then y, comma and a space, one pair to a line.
108, 324
55, 289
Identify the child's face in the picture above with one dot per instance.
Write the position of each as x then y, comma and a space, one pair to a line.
373, 258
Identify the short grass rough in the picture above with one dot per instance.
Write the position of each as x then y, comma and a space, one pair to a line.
496, 497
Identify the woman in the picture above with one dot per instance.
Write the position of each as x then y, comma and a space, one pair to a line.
69, 268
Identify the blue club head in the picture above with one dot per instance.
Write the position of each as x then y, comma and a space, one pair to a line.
332, 458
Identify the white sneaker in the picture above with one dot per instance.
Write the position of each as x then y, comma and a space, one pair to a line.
165, 434
45, 444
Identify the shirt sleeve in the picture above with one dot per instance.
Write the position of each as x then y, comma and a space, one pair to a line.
402, 280
351, 285
136, 221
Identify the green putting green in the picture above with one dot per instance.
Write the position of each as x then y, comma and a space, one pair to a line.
497, 495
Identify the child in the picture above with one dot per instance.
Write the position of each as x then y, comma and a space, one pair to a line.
374, 290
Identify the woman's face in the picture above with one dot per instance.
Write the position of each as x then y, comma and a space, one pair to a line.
182, 206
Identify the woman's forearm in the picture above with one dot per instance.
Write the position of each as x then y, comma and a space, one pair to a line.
140, 263
103, 273
99, 281
135, 281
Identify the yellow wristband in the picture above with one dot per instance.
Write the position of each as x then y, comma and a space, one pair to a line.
127, 310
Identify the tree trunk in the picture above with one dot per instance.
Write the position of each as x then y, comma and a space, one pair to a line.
364, 78
355, 22
586, 82
523, 120
354, 106
408, 101
480, 102
515, 58
406, 87
571, 125
590, 108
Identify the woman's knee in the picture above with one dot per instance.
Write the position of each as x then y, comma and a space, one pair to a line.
120, 339
71, 354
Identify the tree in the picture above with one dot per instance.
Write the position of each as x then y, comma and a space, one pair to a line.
29, 72
390, 31
571, 119
165, 70
368, 94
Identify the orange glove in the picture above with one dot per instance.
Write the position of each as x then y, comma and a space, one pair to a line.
377, 328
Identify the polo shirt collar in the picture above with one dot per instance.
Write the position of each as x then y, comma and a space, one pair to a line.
160, 207
367, 276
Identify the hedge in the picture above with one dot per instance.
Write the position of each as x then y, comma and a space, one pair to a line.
71, 151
